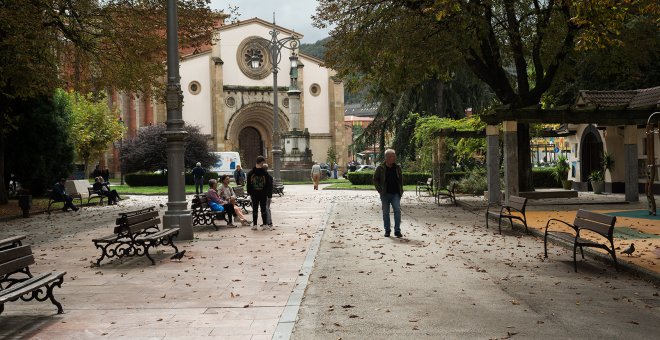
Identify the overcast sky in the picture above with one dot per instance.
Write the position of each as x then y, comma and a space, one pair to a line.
291, 14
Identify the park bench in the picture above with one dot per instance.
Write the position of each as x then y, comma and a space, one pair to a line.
422, 187
447, 192
16, 261
11, 242
514, 210
52, 200
202, 213
242, 199
135, 233
278, 189
595, 223
95, 194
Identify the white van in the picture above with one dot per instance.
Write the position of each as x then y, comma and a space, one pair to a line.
227, 162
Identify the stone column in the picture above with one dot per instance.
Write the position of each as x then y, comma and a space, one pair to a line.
510, 159
294, 109
493, 163
337, 118
217, 96
630, 161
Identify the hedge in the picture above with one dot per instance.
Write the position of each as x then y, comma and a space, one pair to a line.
543, 178
366, 177
148, 179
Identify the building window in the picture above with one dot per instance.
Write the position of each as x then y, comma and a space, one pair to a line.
315, 89
254, 47
194, 87
285, 102
230, 101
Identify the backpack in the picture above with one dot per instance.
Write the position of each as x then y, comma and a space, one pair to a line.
258, 182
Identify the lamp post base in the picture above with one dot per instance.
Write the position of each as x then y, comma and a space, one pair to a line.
179, 219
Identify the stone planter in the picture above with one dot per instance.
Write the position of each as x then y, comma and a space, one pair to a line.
598, 186
567, 184
25, 202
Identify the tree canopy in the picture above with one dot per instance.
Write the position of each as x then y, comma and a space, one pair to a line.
517, 47
148, 150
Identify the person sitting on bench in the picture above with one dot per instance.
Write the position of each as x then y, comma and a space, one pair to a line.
59, 194
214, 201
103, 189
228, 197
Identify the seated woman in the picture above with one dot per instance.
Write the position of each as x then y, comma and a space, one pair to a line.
227, 194
215, 202
103, 189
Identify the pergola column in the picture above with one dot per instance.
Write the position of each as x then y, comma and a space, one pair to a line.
630, 161
493, 163
510, 159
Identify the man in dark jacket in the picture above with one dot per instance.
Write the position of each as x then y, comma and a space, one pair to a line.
259, 187
60, 195
198, 177
239, 176
389, 183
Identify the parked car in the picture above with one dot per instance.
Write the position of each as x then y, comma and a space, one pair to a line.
366, 167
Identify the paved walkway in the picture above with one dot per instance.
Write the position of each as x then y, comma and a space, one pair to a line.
448, 278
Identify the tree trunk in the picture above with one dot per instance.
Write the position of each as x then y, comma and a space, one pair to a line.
4, 198
524, 159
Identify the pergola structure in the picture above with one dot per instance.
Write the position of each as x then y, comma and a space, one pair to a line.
624, 115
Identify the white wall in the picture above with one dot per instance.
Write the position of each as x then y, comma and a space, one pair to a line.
317, 109
197, 108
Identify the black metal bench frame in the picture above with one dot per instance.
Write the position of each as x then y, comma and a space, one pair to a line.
242, 199
202, 213
595, 223
95, 194
448, 192
514, 210
425, 187
134, 234
52, 200
17, 260
278, 189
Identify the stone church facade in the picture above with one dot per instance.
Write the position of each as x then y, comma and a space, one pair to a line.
233, 103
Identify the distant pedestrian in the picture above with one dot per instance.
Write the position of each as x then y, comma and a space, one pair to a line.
316, 175
388, 180
60, 195
106, 175
259, 187
335, 169
198, 176
239, 176
270, 197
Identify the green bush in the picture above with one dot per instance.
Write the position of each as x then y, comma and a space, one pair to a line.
149, 179
544, 178
455, 176
474, 183
366, 177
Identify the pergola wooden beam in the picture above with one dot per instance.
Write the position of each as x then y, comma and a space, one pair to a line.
611, 116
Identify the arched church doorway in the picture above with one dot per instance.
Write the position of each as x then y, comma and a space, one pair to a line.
590, 153
251, 146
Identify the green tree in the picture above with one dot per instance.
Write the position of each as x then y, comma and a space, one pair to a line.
93, 125
87, 45
516, 47
41, 149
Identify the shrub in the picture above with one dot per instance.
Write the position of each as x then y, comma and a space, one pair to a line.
544, 178
149, 179
474, 183
455, 176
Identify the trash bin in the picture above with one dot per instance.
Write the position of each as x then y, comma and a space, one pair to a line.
25, 202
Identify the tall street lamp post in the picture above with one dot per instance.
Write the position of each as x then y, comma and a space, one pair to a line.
177, 215
121, 147
275, 46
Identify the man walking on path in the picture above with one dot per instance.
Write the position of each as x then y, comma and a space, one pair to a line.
316, 175
198, 177
270, 197
389, 183
259, 187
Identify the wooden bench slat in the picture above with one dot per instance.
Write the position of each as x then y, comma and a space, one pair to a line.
28, 285
600, 218
11, 240
133, 228
14, 253
517, 205
12, 266
593, 226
